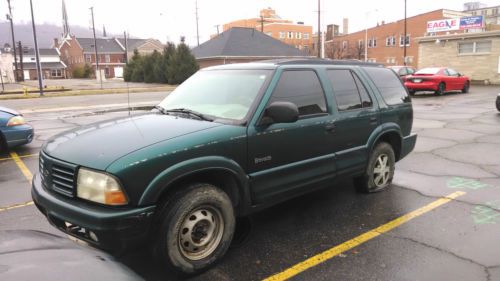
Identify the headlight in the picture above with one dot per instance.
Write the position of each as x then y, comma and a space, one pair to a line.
100, 188
16, 121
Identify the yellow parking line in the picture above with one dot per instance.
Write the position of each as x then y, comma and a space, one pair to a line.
20, 156
29, 203
337, 250
26, 172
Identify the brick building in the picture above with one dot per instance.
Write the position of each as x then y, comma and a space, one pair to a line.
475, 54
386, 41
295, 34
76, 52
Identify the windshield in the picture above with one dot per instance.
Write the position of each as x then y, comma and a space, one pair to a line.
226, 94
430, 70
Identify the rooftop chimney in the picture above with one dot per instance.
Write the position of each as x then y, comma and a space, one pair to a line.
345, 26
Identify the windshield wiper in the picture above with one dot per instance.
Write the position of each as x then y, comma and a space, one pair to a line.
200, 116
160, 109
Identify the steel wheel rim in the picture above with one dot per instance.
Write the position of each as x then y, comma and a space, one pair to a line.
200, 233
382, 170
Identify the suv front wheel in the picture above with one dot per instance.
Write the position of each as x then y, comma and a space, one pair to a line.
380, 170
196, 229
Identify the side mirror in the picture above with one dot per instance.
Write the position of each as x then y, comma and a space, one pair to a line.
280, 112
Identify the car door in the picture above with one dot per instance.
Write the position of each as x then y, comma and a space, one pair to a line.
356, 119
284, 158
451, 79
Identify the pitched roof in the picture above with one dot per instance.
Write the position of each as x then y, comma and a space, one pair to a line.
45, 52
134, 43
104, 45
245, 42
44, 65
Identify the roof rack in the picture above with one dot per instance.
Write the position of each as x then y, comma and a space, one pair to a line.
318, 61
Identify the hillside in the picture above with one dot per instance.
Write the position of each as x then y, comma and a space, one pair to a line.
45, 33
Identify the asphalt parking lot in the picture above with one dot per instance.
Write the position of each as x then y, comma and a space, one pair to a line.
440, 220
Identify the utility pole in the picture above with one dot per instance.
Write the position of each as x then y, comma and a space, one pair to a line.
126, 46
21, 73
37, 55
319, 29
404, 41
9, 17
197, 30
95, 48
217, 26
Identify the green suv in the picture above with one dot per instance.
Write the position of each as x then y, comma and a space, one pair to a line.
229, 141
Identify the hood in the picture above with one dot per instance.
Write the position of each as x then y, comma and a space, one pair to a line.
33, 255
8, 110
100, 144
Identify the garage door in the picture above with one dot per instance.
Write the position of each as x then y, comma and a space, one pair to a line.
118, 72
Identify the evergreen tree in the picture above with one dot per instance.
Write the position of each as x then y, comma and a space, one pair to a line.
168, 54
182, 65
131, 66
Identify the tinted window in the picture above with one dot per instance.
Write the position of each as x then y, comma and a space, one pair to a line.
388, 84
366, 101
301, 87
344, 89
452, 72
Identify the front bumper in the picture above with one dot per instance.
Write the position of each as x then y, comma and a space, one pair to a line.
407, 145
104, 227
18, 135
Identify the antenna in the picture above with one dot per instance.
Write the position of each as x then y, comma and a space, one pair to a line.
126, 61
197, 30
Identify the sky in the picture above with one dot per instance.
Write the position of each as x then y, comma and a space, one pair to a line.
169, 19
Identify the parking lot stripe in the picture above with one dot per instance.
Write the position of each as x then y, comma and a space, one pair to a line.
26, 172
337, 250
20, 156
29, 203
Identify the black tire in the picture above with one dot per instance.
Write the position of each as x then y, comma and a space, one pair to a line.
441, 89
3, 144
369, 183
498, 105
411, 92
188, 219
466, 87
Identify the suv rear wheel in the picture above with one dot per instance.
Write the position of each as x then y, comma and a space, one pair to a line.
196, 229
380, 170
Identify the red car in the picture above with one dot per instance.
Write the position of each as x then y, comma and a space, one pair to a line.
437, 79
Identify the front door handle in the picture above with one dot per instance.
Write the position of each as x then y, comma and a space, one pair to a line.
373, 120
330, 128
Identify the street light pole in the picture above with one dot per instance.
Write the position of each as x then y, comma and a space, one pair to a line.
37, 53
95, 48
404, 40
366, 41
9, 17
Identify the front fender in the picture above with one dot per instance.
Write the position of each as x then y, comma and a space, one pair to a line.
162, 182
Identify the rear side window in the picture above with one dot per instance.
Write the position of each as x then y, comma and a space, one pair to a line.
301, 87
389, 85
348, 90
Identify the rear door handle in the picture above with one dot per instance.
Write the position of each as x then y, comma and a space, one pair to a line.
373, 120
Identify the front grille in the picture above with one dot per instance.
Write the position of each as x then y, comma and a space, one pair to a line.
57, 175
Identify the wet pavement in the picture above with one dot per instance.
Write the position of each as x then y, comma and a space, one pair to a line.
458, 149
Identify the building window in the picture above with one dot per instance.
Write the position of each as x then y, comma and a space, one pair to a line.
56, 73
360, 44
345, 44
494, 11
305, 36
106, 71
290, 35
282, 35
409, 59
391, 60
306, 48
474, 47
372, 60
88, 58
372, 42
484, 12
107, 58
403, 41
390, 41
298, 35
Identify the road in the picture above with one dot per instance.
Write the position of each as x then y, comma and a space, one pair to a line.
407, 232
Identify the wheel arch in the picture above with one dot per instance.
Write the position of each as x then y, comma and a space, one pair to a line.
218, 171
390, 133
